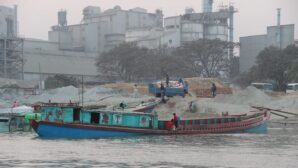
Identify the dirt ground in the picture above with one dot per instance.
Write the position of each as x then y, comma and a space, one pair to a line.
194, 84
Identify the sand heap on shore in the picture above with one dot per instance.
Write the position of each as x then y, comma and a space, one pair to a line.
113, 94
203, 83
128, 87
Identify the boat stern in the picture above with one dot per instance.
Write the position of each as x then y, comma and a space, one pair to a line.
34, 124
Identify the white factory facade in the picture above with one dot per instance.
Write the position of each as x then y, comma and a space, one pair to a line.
73, 49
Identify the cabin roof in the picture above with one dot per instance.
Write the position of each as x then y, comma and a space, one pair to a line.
118, 111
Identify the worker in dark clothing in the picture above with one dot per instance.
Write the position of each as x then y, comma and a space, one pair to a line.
213, 90
167, 80
162, 92
175, 120
122, 105
180, 80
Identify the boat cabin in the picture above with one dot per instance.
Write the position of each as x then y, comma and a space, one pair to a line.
76, 114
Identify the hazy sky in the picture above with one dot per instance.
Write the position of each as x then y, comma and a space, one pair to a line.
35, 17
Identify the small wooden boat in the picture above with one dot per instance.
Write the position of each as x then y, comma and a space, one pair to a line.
17, 119
67, 121
144, 106
4, 124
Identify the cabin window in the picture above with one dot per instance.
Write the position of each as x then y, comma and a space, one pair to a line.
76, 114
94, 118
3, 120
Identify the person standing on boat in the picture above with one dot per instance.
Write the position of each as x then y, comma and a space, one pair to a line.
135, 91
175, 120
14, 104
213, 90
167, 80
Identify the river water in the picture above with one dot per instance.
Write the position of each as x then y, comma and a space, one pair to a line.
276, 149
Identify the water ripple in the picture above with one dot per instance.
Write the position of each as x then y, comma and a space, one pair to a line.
276, 149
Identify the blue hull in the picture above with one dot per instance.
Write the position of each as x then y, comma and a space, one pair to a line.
48, 129
59, 131
260, 129
52, 131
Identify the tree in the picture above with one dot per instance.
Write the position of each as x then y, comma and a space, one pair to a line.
293, 72
168, 62
206, 57
291, 57
271, 66
133, 63
123, 61
276, 65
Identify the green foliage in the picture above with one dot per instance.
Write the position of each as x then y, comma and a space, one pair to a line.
133, 63
60, 81
273, 64
124, 61
206, 57
291, 55
293, 72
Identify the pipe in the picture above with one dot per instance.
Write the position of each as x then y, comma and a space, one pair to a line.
15, 20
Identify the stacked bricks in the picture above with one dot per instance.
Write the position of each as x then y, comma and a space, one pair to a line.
205, 93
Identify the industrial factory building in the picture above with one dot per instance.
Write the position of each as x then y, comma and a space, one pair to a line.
210, 25
189, 27
11, 47
73, 49
33, 59
101, 31
279, 36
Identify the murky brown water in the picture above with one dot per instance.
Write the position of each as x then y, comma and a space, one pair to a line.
277, 149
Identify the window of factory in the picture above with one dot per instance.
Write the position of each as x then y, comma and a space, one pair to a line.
170, 27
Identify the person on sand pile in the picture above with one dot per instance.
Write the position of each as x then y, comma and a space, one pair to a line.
213, 90
167, 80
162, 93
122, 105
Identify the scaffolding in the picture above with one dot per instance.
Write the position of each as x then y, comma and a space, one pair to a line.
12, 57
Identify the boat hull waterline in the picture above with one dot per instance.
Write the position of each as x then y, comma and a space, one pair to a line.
47, 129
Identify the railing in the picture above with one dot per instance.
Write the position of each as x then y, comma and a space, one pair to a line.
212, 123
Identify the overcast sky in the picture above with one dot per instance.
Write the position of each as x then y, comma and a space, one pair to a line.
35, 17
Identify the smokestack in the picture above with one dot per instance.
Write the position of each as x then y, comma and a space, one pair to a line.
278, 40
278, 16
207, 6
15, 20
